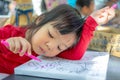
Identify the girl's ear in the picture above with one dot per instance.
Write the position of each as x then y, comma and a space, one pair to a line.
39, 19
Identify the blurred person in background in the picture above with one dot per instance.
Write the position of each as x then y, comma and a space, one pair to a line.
4, 7
85, 7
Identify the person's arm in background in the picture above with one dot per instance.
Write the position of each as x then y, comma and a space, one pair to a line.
98, 17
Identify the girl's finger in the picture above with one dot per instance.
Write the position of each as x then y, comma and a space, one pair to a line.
105, 8
111, 13
17, 46
23, 48
102, 11
11, 44
29, 49
104, 18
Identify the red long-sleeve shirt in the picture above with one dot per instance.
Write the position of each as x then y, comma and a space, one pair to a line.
9, 60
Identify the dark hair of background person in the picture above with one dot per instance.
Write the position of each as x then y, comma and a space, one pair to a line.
66, 19
43, 6
82, 3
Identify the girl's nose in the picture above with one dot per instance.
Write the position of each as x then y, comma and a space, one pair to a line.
50, 45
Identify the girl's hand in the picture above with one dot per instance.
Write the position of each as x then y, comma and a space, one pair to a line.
19, 45
102, 16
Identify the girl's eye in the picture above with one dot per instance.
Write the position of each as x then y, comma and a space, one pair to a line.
59, 48
50, 34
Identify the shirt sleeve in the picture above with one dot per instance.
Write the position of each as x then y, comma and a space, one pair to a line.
79, 49
10, 31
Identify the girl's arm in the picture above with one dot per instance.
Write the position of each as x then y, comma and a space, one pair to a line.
98, 17
77, 51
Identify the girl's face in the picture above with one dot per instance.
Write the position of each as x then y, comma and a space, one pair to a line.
49, 42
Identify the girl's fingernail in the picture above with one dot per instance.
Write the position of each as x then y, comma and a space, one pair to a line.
21, 54
29, 54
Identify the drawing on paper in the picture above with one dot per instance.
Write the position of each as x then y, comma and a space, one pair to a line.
68, 66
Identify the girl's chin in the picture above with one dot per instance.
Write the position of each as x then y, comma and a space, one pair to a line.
39, 53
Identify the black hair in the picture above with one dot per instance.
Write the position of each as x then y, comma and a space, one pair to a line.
66, 19
82, 3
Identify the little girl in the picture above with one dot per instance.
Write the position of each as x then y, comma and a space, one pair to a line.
60, 32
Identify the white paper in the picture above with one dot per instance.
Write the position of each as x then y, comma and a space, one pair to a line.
93, 66
3, 75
